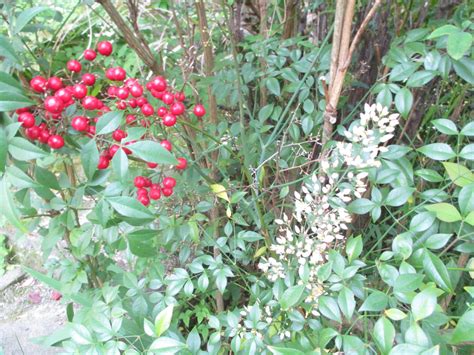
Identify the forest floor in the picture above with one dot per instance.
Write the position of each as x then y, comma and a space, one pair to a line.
27, 309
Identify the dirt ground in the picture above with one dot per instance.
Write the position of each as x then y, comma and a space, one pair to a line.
22, 319
27, 309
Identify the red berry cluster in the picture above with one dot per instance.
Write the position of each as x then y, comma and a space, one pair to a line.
48, 125
147, 190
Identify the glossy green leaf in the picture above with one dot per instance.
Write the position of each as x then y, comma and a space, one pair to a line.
273, 86
27, 15
384, 335
328, 307
21, 149
424, 304
9, 209
291, 296
141, 242
458, 43
445, 212
436, 271
163, 320
404, 101
376, 302
151, 151
438, 151
90, 158
346, 302
464, 331
12, 100
130, 207
120, 165
8, 51
445, 126
109, 122
459, 174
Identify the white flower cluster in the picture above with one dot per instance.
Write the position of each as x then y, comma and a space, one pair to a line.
320, 217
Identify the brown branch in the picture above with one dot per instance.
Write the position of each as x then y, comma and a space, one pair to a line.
134, 40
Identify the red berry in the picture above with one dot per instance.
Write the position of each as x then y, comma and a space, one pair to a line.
122, 93
147, 109
179, 96
119, 74
90, 54
121, 105
44, 136
141, 101
142, 191
91, 131
79, 91
155, 194
157, 94
55, 83
167, 98
169, 120
118, 135
177, 108
53, 104
26, 119
169, 182
56, 141
64, 94
90, 103
182, 164
136, 90
166, 144
112, 91
129, 119
33, 132
139, 182
162, 111
103, 162
199, 110
56, 296
144, 200
132, 103
80, 123
110, 73
74, 66
167, 191
21, 110
159, 83
38, 84
105, 48
152, 165
113, 149
88, 79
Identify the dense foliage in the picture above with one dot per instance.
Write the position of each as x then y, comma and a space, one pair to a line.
215, 177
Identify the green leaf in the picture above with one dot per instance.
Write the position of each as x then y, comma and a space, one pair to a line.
384, 335
424, 304
384, 97
120, 165
328, 308
141, 242
12, 100
445, 126
445, 212
436, 271
291, 296
464, 331
467, 152
468, 130
395, 314
273, 86
420, 78
151, 151
346, 302
376, 302
458, 43
354, 248
463, 68
21, 149
3, 148
26, 16
438, 151
109, 122
466, 199
470, 218
399, 196
163, 320
131, 208
404, 101
9, 84
9, 210
277, 350
167, 346
429, 175
459, 174
90, 158
308, 106
265, 112
8, 52
19, 178
361, 206
443, 31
